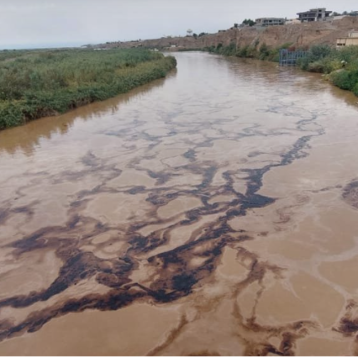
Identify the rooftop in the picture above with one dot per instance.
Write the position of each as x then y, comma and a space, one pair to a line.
315, 10
270, 18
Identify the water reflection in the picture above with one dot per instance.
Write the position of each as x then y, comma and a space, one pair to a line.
26, 138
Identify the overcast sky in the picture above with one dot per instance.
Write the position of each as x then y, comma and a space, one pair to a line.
51, 23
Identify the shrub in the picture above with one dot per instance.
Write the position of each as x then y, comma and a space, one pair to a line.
246, 52
264, 51
344, 79
10, 114
315, 67
330, 65
229, 50
242, 52
319, 51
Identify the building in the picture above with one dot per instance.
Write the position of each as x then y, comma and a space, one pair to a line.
351, 40
270, 21
319, 14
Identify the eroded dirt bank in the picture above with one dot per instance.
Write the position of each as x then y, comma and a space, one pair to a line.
301, 35
214, 212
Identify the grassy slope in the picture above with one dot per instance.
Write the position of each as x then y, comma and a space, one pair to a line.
34, 84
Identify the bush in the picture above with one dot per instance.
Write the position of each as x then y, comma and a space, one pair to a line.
264, 52
341, 65
247, 52
330, 65
10, 114
347, 80
229, 50
319, 51
315, 67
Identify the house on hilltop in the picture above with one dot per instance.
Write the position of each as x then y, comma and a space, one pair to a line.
319, 14
270, 21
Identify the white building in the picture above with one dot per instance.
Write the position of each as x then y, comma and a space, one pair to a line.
351, 40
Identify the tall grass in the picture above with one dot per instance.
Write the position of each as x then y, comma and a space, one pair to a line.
36, 84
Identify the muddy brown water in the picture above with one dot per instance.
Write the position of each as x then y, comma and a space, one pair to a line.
212, 212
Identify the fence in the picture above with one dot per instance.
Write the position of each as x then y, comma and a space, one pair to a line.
289, 58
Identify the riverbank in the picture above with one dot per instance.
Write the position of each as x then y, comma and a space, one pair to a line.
340, 67
38, 84
264, 43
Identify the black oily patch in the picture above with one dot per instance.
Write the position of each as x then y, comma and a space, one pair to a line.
184, 282
350, 194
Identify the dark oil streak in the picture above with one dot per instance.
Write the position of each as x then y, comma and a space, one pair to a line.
171, 284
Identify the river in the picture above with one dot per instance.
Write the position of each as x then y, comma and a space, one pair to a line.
211, 212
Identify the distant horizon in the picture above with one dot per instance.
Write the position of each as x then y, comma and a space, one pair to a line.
71, 44
31, 24
40, 46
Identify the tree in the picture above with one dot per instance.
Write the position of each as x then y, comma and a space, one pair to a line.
236, 25
249, 22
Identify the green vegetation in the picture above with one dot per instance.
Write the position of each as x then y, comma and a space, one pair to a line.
262, 52
200, 35
34, 84
7, 55
350, 13
249, 22
340, 65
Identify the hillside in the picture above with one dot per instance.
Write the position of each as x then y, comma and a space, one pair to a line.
305, 34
